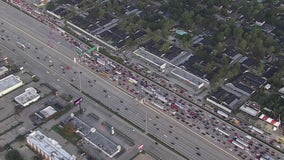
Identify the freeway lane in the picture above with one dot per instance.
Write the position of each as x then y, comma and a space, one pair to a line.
48, 75
138, 110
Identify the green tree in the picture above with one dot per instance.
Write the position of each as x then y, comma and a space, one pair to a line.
130, 42
238, 33
243, 45
50, 6
220, 36
220, 47
165, 47
224, 60
157, 35
13, 155
260, 69
69, 128
187, 18
141, 5
36, 158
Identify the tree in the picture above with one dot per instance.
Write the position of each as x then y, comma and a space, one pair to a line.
243, 45
220, 47
220, 36
50, 6
198, 19
141, 5
129, 42
69, 128
13, 155
36, 158
260, 69
157, 35
238, 33
224, 60
165, 47
187, 18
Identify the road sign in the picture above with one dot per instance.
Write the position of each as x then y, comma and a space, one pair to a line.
78, 101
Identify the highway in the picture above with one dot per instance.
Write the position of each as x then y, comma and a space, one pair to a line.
61, 82
62, 55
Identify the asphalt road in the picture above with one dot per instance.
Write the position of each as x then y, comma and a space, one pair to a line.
63, 54
49, 74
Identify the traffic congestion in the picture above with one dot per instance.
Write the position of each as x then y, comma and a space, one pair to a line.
190, 115
162, 95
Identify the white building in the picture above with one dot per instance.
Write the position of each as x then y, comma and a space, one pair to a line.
29, 96
192, 79
153, 59
251, 108
3, 70
9, 84
48, 112
48, 148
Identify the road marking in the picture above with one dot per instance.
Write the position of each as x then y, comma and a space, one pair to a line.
160, 112
108, 84
71, 60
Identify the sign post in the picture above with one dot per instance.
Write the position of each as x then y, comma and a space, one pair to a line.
78, 102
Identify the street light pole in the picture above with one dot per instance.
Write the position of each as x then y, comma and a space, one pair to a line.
80, 89
146, 122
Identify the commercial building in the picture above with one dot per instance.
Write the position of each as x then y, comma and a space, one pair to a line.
47, 112
224, 100
195, 81
153, 59
251, 108
3, 70
9, 84
48, 148
29, 96
270, 120
95, 139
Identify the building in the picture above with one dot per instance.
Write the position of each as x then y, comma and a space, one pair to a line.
9, 84
95, 139
270, 120
153, 59
195, 81
3, 70
48, 148
39, 3
47, 112
251, 108
224, 100
29, 96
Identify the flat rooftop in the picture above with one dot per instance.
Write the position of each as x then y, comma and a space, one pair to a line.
98, 140
30, 95
48, 111
9, 82
141, 52
48, 146
191, 78
102, 142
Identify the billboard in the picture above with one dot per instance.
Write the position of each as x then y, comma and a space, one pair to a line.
78, 101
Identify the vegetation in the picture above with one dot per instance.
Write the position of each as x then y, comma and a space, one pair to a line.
13, 155
67, 132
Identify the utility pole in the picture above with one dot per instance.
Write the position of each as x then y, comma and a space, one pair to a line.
80, 89
146, 122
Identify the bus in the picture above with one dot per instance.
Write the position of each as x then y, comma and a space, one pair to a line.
223, 132
238, 145
79, 50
